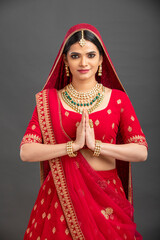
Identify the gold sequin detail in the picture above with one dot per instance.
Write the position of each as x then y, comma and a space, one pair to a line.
66, 113
33, 221
119, 101
109, 111
27, 231
42, 201
129, 129
103, 137
121, 189
132, 118
77, 124
113, 125
56, 205
62, 218
30, 235
35, 207
66, 231
49, 191
114, 181
108, 181
44, 215
44, 187
54, 230
112, 140
122, 110
97, 122
33, 126
35, 225
38, 238
49, 216
77, 164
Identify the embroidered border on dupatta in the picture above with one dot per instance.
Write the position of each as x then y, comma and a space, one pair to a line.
56, 166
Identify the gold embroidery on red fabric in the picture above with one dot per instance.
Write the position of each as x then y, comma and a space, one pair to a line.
54, 230
56, 167
112, 140
114, 181
66, 113
97, 122
62, 218
129, 129
33, 221
122, 110
44, 215
66, 231
35, 225
38, 238
109, 111
33, 127
42, 201
113, 125
132, 118
30, 235
35, 206
31, 138
49, 216
56, 204
107, 212
137, 139
119, 101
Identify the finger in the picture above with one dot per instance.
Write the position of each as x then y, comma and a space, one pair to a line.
83, 118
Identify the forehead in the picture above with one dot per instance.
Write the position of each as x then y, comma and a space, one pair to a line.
88, 47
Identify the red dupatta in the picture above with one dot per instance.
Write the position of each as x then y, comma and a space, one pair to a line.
69, 175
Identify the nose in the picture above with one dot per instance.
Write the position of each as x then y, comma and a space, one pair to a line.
83, 61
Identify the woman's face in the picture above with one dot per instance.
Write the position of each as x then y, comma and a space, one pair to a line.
83, 61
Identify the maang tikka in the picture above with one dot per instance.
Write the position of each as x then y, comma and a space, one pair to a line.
82, 41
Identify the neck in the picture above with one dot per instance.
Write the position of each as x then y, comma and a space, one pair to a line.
83, 86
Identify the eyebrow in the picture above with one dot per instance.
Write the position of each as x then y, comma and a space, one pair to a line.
91, 52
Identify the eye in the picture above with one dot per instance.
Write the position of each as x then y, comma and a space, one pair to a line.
91, 55
74, 56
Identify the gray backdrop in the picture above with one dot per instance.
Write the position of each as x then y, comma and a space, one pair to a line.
31, 34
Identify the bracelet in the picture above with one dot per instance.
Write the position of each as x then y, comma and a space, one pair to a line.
70, 150
97, 149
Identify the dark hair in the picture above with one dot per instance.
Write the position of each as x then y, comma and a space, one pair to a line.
87, 36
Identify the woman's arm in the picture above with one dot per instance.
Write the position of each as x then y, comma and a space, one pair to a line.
131, 152
36, 152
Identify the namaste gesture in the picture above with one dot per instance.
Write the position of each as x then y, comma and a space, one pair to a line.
85, 133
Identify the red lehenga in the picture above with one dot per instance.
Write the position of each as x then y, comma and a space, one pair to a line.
75, 201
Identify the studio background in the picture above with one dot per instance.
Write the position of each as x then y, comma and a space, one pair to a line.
31, 33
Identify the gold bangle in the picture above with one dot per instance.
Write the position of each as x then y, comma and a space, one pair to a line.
70, 150
97, 149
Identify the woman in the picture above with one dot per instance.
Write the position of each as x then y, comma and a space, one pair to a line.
83, 122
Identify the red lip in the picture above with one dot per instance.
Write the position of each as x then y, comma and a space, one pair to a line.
83, 70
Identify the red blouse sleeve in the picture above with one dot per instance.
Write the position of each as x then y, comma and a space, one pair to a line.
33, 131
130, 128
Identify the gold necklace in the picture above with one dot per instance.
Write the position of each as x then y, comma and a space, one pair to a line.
77, 100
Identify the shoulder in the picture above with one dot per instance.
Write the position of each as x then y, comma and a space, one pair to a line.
45, 91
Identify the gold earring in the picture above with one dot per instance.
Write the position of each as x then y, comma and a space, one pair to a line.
67, 70
100, 70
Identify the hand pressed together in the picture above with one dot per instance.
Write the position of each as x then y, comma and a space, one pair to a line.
84, 134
